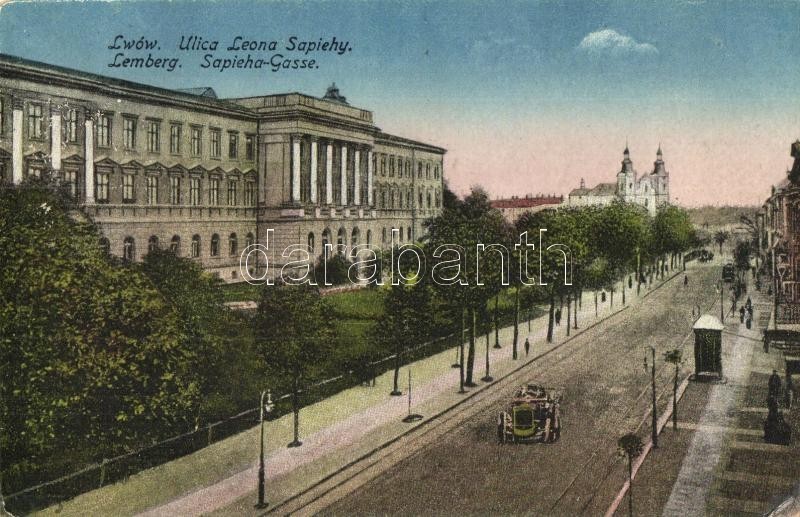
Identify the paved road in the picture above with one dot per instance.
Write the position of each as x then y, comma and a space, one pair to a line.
606, 394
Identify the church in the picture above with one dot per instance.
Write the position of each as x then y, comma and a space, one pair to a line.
650, 190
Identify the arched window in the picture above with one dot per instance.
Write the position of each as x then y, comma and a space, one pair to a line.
408, 199
195, 252
233, 245
215, 245
341, 240
420, 199
152, 243
310, 241
438, 199
129, 249
369, 237
428, 197
326, 239
175, 245
354, 237
249, 240
383, 199
105, 246
408, 233
383, 235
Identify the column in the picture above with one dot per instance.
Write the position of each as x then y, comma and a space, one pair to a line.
16, 141
343, 167
356, 177
296, 168
369, 178
314, 171
329, 173
55, 138
88, 157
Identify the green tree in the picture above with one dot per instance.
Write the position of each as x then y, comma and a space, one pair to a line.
631, 447
293, 335
94, 360
405, 321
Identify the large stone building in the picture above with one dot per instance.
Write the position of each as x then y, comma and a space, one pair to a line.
650, 190
206, 177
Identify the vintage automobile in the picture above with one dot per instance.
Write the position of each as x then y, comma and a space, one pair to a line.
534, 416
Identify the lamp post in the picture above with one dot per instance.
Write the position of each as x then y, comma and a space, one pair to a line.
264, 407
653, 384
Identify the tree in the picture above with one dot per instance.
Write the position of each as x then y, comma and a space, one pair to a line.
631, 446
720, 237
94, 360
405, 320
293, 334
674, 357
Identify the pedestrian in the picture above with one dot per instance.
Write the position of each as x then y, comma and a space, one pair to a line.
558, 317
749, 303
741, 314
774, 385
527, 346
685, 280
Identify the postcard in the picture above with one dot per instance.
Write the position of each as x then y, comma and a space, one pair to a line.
399, 258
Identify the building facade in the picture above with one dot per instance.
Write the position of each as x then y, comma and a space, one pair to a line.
515, 207
206, 177
779, 241
649, 190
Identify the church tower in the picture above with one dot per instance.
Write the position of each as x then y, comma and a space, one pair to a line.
626, 178
660, 179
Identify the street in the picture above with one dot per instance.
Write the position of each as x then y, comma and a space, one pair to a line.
606, 393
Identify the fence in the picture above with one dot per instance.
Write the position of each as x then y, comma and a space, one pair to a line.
117, 468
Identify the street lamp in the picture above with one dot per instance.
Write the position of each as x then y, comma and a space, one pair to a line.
653, 384
264, 407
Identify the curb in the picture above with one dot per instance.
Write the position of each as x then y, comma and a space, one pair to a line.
448, 409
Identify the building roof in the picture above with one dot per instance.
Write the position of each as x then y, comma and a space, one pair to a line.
579, 192
527, 201
604, 189
708, 322
386, 138
203, 91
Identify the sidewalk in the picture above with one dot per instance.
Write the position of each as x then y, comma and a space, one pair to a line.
717, 462
334, 432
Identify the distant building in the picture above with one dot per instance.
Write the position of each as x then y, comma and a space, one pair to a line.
650, 190
515, 206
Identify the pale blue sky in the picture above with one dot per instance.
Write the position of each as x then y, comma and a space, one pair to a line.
542, 78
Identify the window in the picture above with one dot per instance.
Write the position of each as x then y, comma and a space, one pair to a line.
249, 240
428, 197
216, 145
383, 165
249, 193
250, 147
101, 188
195, 251
129, 249
383, 199
194, 192
35, 121
175, 131
154, 136
420, 199
408, 233
70, 178
427, 171
175, 245
174, 190
310, 241
104, 130
233, 245
128, 192
233, 145
213, 192
152, 190
232, 185
152, 243
35, 169
383, 235
105, 246
215, 245
129, 133
419, 172
71, 126
436, 172
391, 166
197, 144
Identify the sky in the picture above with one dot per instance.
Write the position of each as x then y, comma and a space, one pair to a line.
527, 97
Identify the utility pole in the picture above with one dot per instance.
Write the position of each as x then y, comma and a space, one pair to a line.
653, 384
261, 473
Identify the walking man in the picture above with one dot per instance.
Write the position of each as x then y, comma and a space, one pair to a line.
774, 385
685, 280
527, 346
